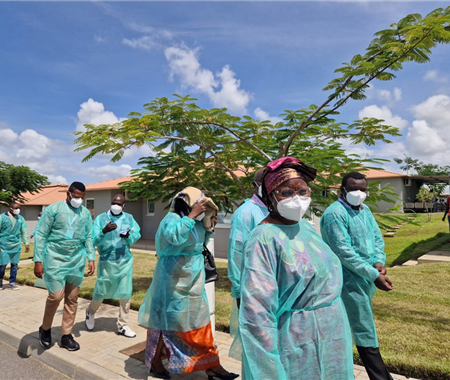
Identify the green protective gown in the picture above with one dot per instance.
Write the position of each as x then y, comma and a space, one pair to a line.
13, 230
292, 321
63, 242
176, 299
356, 239
115, 266
244, 220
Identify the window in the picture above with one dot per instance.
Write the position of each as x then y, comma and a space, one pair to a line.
150, 208
90, 206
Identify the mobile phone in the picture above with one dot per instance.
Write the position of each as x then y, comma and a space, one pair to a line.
124, 232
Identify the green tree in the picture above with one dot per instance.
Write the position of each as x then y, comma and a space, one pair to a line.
15, 180
425, 196
214, 150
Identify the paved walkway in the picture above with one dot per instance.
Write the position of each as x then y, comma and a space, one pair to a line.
99, 357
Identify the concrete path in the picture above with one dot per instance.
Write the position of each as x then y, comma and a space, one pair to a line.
99, 357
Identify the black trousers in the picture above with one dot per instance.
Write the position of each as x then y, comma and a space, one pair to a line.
373, 363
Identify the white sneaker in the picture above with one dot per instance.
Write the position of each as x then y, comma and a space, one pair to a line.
13, 286
90, 320
126, 331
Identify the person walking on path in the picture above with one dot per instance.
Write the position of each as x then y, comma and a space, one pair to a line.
175, 310
244, 220
447, 212
292, 322
13, 231
113, 233
351, 231
63, 242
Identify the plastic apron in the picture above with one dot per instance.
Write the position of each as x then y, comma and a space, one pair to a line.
356, 239
115, 266
13, 230
176, 299
63, 242
244, 220
292, 321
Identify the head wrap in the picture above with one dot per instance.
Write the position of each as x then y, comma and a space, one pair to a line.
277, 172
191, 195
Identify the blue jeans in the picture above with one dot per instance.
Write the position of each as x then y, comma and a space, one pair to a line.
13, 273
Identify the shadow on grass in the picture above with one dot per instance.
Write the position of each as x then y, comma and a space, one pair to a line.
389, 221
415, 250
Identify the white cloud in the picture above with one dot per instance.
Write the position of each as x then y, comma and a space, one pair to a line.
385, 95
57, 179
423, 140
144, 42
92, 112
184, 64
106, 172
263, 115
7, 137
435, 76
384, 113
34, 145
435, 111
397, 94
99, 39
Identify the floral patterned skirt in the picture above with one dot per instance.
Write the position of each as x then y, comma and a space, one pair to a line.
189, 351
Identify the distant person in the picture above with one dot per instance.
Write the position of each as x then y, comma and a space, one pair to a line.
113, 233
175, 309
244, 220
351, 231
447, 212
63, 242
13, 231
292, 321
34, 232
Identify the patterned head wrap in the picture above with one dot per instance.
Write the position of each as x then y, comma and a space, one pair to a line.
277, 172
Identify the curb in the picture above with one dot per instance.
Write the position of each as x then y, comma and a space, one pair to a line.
60, 360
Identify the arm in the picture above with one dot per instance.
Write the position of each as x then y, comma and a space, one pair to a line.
88, 244
176, 230
335, 234
380, 256
258, 320
24, 233
98, 237
446, 211
134, 234
238, 236
41, 235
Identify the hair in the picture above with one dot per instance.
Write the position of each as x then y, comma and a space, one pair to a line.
354, 175
14, 203
77, 186
181, 207
265, 195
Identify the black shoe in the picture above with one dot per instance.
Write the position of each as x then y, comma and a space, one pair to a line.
229, 376
45, 337
160, 375
69, 343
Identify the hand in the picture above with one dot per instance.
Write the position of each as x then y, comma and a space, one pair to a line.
443, 219
27, 248
380, 268
126, 235
38, 270
383, 283
31, 236
91, 268
198, 208
109, 227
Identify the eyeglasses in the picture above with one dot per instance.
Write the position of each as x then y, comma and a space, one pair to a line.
288, 193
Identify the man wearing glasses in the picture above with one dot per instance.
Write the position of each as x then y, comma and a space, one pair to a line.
351, 231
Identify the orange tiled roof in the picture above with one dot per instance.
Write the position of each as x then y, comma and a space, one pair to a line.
378, 174
46, 196
110, 184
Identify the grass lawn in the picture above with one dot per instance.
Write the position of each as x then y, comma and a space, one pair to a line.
413, 321
414, 239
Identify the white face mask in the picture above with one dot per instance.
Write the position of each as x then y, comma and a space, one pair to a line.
16, 211
259, 192
293, 208
75, 202
355, 198
200, 217
116, 209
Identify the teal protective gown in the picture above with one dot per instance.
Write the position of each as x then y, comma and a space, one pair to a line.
356, 239
115, 266
13, 230
244, 220
292, 321
63, 242
176, 299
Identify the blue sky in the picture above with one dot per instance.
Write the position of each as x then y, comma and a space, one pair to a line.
64, 64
